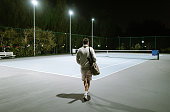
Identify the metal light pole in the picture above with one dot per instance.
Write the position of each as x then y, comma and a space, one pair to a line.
34, 2
92, 30
143, 43
70, 13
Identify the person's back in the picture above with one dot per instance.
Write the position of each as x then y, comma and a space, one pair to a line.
83, 54
82, 59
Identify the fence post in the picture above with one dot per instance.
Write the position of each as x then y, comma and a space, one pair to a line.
155, 42
20, 41
130, 43
39, 44
66, 42
119, 43
54, 43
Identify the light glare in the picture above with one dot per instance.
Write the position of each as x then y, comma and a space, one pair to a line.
70, 12
34, 2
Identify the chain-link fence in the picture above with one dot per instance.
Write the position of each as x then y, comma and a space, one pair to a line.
145, 43
21, 42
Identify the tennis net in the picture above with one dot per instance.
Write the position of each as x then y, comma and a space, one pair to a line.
129, 54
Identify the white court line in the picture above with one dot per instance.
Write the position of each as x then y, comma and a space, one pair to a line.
72, 76
114, 65
119, 70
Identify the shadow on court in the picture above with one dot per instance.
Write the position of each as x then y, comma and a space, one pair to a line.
103, 105
73, 96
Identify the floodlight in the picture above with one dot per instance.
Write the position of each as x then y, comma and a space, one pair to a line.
70, 12
34, 2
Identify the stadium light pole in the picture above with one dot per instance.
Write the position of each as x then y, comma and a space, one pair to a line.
34, 2
142, 43
92, 30
70, 13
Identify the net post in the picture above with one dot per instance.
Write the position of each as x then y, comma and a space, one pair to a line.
155, 53
158, 55
107, 52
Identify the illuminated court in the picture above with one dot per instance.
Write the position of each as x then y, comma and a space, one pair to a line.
66, 65
52, 83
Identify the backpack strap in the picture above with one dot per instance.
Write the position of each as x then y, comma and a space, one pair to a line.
91, 63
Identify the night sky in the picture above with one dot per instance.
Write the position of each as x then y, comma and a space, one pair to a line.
122, 12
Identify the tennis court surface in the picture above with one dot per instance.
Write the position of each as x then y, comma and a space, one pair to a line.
53, 83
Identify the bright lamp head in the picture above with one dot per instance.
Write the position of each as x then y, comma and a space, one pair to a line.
34, 2
92, 19
70, 12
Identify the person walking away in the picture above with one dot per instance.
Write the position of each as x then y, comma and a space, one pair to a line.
82, 59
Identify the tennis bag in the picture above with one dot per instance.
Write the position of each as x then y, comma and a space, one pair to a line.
94, 68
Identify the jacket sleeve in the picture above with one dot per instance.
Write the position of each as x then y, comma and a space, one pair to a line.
93, 54
78, 57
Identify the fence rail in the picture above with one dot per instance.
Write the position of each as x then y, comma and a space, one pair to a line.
21, 42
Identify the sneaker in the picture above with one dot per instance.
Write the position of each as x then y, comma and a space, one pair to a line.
85, 97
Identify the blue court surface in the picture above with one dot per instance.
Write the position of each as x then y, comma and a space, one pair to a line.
66, 64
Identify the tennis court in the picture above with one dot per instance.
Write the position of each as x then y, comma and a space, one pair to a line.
52, 83
66, 64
